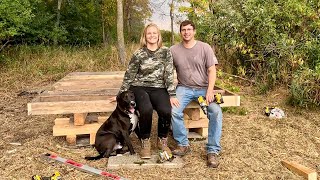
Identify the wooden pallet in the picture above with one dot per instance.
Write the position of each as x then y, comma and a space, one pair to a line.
66, 127
81, 93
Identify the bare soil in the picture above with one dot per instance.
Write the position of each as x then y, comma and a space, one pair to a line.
253, 145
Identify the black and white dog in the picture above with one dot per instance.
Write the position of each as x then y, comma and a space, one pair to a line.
113, 134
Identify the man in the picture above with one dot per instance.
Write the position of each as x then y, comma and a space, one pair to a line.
195, 65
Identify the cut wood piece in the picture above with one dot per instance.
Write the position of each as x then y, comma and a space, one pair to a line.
70, 129
114, 75
106, 73
71, 139
98, 119
62, 121
304, 171
79, 119
56, 96
92, 138
193, 113
201, 123
76, 85
107, 91
70, 107
102, 119
194, 135
201, 131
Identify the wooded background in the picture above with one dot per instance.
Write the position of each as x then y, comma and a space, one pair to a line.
271, 42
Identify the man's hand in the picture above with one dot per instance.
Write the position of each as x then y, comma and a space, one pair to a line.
174, 101
209, 96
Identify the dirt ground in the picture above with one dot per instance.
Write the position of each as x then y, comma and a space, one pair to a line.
253, 145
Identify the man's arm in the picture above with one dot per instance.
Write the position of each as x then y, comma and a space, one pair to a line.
212, 75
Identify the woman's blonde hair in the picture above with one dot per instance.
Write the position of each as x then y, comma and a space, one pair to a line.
143, 41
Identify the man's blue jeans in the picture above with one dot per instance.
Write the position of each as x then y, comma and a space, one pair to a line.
185, 95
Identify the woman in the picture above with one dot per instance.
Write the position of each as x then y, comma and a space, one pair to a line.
150, 77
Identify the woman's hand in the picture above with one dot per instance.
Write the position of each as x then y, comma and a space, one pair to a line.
174, 101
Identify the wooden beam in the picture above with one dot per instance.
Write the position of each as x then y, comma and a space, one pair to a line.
201, 131
193, 113
93, 138
79, 119
70, 129
106, 91
106, 73
62, 121
77, 96
201, 123
304, 171
76, 85
70, 107
114, 75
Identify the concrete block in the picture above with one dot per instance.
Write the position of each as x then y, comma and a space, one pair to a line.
135, 162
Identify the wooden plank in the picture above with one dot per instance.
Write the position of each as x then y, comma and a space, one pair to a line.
79, 119
62, 121
106, 91
304, 171
69, 96
92, 138
76, 85
193, 113
70, 107
70, 129
201, 123
201, 131
105, 73
118, 77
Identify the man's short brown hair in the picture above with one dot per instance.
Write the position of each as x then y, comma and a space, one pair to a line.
187, 22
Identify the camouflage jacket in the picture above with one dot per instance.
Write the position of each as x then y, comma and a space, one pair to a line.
150, 69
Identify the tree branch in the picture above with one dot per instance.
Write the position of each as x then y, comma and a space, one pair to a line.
252, 81
4, 45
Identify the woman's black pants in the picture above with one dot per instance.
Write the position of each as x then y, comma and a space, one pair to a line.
147, 100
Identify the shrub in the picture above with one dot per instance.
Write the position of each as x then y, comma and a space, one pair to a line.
305, 88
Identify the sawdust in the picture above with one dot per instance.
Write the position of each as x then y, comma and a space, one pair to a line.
253, 145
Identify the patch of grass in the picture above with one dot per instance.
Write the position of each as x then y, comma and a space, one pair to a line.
242, 111
25, 64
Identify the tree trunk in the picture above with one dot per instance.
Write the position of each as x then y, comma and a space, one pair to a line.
121, 48
103, 26
55, 40
171, 17
128, 19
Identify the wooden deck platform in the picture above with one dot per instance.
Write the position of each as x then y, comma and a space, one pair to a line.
81, 93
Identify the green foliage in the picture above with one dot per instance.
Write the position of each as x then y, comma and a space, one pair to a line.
305, 88
82, 19
242, 111
263, 40
77, 23
226, 81
166, 37
14, 18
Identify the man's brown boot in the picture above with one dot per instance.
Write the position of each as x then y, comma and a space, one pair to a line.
213, 160
181, 150
145, 152
163, 145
